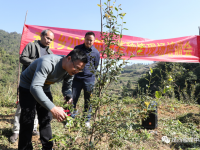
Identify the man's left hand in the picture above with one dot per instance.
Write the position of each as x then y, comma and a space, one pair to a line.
70, 101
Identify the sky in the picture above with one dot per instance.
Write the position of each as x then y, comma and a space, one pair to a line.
152, 19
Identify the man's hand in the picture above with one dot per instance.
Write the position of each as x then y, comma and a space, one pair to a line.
70, 101
58, 113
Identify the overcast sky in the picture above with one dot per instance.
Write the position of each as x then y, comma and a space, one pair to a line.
153, 19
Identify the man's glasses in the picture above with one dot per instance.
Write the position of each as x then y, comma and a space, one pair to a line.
76, 68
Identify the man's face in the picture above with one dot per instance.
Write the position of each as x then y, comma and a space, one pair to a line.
47, 39
89, 41
73, 67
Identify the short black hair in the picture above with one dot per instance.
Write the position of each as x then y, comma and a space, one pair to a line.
90, 33
44, 32
78, 54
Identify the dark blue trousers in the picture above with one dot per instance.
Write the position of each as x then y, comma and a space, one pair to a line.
87, 87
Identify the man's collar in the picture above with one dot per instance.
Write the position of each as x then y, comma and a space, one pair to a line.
88, 49
41, 44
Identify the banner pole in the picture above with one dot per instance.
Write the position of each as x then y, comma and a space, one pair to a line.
199, 29
19, 61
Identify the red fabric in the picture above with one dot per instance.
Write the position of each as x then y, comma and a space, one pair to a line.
182, 49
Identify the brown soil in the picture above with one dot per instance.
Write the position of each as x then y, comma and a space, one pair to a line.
164, 112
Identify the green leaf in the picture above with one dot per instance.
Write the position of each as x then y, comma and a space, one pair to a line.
180, 123
164, 91
151, 70
124, 22
99, 5
158, 94
116, 9
120, 35
139, 51
170, 79
66, 105
125, 28
123, 14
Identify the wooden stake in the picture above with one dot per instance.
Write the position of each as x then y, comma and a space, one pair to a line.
19, 62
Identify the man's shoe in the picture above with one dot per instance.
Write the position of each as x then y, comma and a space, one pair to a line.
14, 137
35, 132
87, 124
75, 112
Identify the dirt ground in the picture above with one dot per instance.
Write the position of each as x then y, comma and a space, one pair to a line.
164, 112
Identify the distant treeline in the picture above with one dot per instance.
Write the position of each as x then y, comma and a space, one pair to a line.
9, 57
182, 78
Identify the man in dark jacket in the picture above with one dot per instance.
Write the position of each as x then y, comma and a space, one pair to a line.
31, 52
36, 49
85, 80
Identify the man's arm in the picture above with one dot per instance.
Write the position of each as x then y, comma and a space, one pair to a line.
24, 58
41, 73
39, 78
67, 87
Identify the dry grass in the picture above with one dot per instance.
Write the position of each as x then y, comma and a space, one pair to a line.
150, 139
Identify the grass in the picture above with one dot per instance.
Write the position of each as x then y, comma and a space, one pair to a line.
175, 120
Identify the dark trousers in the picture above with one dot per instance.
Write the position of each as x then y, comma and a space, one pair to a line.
87, 87
28, 108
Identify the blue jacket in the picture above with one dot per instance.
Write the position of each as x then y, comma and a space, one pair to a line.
88, 74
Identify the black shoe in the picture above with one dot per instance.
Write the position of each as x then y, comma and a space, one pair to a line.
14, 137
35, 132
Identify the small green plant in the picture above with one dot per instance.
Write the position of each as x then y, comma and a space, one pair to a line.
110, 118
145, 102
7, 95
129, 100
188, 97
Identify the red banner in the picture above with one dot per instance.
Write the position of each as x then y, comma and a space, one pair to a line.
182, 49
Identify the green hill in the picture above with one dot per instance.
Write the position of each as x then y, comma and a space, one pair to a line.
134, 72
10, 42
129, 77
9, 57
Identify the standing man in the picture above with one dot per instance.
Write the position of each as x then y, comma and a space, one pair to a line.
85, 80
35, 95
31, 52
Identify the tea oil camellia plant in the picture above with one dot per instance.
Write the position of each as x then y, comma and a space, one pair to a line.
111, 121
